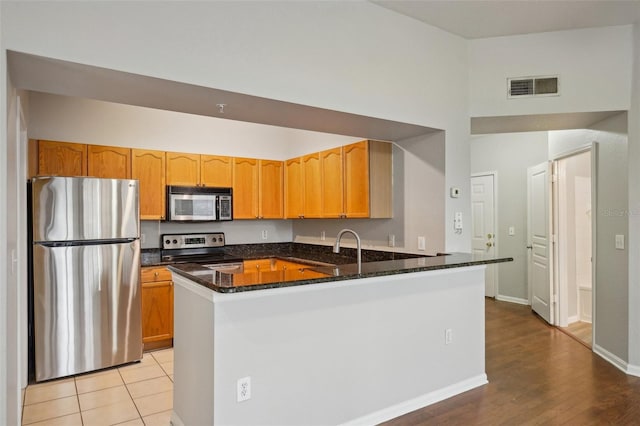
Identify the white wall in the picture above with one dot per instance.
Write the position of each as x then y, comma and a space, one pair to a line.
13, 265
103, 123
611, 313
510, 154
633, 244
594, 67
7, 409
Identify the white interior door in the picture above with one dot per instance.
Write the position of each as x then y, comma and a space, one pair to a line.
539, 239
483, 233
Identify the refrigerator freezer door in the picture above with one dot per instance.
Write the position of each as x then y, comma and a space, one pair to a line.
70, 209
87, 304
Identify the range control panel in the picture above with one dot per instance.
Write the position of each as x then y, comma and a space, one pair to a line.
184, 241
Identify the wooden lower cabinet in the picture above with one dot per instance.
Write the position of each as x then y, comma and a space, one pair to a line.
157, 308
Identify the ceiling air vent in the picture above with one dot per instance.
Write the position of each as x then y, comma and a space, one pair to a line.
532, 86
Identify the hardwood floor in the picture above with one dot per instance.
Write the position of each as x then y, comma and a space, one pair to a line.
537, 375
581, 331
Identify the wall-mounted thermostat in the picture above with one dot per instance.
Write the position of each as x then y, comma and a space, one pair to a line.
455, 192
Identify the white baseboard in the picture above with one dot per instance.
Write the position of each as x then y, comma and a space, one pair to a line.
617, 362
175, 420
633, 370
572, 319
517, 300
419, 402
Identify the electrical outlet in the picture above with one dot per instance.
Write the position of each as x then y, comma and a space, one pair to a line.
265, 234
323, 236
244, 389
392, 240
620, 242
448, 336
422, 243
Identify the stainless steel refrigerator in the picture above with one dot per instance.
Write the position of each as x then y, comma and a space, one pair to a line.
86, 274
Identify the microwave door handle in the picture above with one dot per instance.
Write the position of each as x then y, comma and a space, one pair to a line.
217, 212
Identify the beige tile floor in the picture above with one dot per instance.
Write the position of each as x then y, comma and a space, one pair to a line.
136, 394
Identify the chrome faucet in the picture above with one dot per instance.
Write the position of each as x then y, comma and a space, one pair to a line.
336, 247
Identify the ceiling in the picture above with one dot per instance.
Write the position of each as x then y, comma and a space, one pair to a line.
481, 18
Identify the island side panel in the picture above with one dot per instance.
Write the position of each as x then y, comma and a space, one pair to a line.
362, 350
193, 372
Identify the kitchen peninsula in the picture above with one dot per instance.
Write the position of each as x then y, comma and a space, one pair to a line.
337, 348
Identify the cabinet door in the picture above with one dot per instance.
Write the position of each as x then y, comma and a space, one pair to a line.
109, 162
294, 189
312, 185
271, 182
215, 170
157, 311
183, 169
356, 179
149, 168
62, 159
245, 188
332, 183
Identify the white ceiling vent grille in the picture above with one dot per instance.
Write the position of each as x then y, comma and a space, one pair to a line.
532, 86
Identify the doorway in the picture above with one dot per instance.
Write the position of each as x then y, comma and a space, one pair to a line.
560, 243
573, 227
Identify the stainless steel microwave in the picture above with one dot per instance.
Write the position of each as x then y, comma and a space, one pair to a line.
199, 204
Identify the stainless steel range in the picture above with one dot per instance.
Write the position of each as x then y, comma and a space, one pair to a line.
206, 249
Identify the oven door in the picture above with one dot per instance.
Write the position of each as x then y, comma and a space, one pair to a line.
192, 207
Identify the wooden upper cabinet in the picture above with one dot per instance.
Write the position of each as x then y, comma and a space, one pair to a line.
149, 168
312, 185
108, 162
356, 179
245, 188
271, 185
216, 170
61, 159
332, 183
293, 188
183, 169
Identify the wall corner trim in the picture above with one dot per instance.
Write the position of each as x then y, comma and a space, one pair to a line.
633, 370
617, 362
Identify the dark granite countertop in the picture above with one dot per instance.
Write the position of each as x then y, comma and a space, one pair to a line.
300, 251
231, 283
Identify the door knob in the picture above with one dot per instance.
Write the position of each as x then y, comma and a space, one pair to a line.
489, 236
489, 244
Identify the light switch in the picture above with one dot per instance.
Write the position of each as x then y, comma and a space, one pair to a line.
512, 231
620, 242
422, 245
